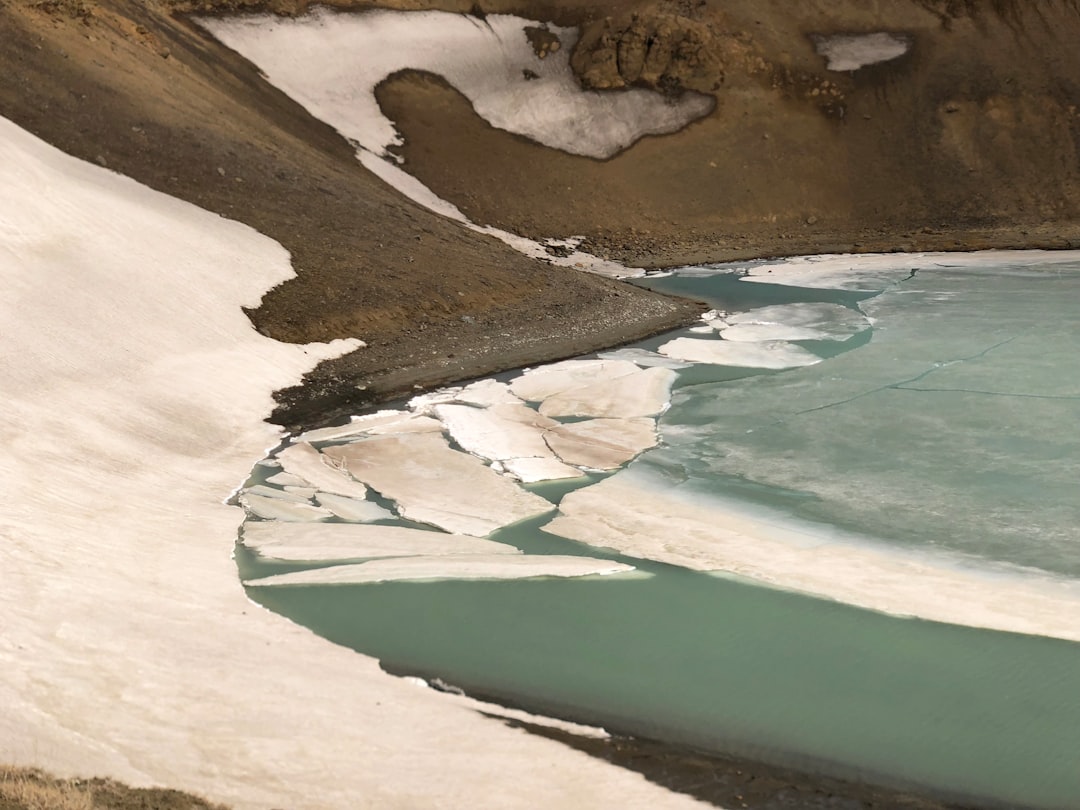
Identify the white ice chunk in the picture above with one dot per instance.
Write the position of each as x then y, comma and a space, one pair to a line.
345, 541
815, 321
844, 52
643, 393
432, 483
643, 358
303, 460
345, 56
602, 444
408, 423
277, 494
352, 508
537, 384
497, 433
277, 509
487, 392
284, 479
770, 354
307, 493
701, 330
462, 567
531, 470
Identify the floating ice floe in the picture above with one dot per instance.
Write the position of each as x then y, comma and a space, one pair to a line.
776, 354
487, 392
477, 566
284, 479
602, 444
432, 483
497, 433
846, 52
645, 392
815, 321
537, 384
352, 508
345, 541
277, 509
304, 461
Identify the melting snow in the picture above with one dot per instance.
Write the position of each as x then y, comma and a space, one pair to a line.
844, 52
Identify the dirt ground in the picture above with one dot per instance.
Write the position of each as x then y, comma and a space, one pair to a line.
971, 140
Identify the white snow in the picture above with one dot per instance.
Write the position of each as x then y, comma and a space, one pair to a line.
846, 52
304, 461
537, 384
332, 62
602, 444
129, 649
774, 354
476, 566
352, 508
432, 483
639, 515
345, 541
645, 392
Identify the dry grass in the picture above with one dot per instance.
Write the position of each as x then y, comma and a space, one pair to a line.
31, 789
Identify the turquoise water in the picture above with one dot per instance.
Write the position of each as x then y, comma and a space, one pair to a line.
950, 424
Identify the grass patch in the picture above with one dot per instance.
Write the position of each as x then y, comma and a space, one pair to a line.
32, 789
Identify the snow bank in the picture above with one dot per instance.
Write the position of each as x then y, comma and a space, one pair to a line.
134, 394
640, 515
463, 567
332, 62
845, 52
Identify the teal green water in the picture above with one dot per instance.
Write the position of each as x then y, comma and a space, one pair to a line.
951, 425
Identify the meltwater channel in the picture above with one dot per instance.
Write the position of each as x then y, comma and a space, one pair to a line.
949, 427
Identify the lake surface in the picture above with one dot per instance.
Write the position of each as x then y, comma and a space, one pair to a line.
939, 426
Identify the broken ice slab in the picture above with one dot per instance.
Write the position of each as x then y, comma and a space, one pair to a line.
646, 392
479, 566
499, 432
433, 483
773, 354
602, 444
284, 479
344, 541
352, 508
807, 321
276, 509
534, 470
487, 392
278, 494
644, 358
387, 421
537, 384
304, 461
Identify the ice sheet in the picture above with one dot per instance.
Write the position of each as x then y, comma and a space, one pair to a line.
344, 541
304, 461
640, 514
775, 354
345, 56
602, 444
461, 567
642, 393
432, 483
